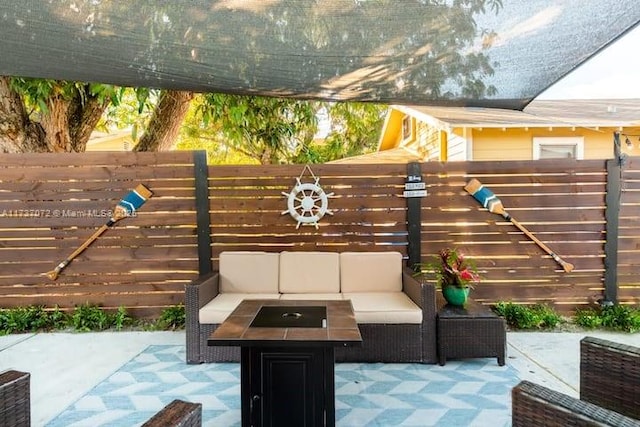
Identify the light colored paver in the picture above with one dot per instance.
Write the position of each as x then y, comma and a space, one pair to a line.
553, 358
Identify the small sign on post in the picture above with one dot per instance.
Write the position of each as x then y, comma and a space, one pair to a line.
415, 193
414, 187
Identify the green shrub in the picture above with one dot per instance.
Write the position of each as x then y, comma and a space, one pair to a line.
31, 319
550, 319
588, 318
58, 319
615, 317
88, 317
172, 317
26, 319
520, 316
120, 319
620, 318
84, 318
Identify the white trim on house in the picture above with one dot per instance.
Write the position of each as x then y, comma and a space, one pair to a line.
407, 128
468, 135
423, 117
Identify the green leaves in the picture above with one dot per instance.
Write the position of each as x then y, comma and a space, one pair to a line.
616, 317
520, 316
266, 129
84, 318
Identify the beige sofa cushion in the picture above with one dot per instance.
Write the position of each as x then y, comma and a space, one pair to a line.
384, 307
371, 271
309, 272
249, 272
312, 296
219, 308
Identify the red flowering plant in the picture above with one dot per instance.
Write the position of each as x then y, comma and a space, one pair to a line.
452, 268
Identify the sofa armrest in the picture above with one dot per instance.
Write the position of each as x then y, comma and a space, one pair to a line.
412, 287
197, 294
203, 289
424, 295
536, 405
610, 375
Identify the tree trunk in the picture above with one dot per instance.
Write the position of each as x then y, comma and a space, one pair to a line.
55, 124
69, 122
164, 126
65, 127
18, 134
83, 119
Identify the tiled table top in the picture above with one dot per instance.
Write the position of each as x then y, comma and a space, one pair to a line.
341, 327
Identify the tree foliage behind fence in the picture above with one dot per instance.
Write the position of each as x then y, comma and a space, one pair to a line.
50, 203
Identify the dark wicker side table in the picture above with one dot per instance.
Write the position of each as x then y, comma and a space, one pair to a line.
469, 332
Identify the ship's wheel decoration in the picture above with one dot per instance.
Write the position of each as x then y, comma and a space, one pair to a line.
307, 202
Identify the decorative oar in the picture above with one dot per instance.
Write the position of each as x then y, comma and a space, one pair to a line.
126, 207
493, 204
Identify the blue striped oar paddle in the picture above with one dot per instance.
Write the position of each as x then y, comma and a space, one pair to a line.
126, 207
493, 204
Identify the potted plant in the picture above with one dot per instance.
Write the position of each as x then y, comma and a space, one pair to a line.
455, 275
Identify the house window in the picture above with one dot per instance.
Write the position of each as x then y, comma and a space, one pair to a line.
558, 148
407, 128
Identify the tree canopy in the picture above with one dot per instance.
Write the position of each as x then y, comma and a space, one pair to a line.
38, 115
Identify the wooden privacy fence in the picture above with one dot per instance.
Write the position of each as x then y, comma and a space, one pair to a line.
561, 202
583, 210
51, 203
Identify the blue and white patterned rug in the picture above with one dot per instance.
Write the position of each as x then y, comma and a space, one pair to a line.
474, 392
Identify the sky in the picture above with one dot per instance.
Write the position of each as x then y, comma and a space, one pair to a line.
612, 74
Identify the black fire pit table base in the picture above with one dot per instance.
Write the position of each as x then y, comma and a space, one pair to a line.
287, 358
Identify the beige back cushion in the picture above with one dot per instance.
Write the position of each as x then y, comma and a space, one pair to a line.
309, 272
249, 272
371, 271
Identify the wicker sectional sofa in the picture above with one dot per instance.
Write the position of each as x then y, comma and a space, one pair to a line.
396, 313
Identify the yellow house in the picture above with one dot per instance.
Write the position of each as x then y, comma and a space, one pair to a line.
119, 140
581, 129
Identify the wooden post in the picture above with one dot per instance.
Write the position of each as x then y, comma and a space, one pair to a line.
612, 202
414, 224
201, 173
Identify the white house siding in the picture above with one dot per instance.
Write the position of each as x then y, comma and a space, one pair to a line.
456, 148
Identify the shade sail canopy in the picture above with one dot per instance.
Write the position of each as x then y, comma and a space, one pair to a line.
489, 53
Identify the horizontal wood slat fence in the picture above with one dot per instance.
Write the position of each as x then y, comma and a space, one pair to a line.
51, 203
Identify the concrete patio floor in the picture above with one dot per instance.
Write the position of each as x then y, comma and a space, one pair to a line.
65, 366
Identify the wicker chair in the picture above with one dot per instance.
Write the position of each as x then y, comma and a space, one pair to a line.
15, 399
610, 375
534, 405
178, 413
609, 391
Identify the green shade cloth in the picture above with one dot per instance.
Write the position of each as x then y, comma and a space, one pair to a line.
415, 52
